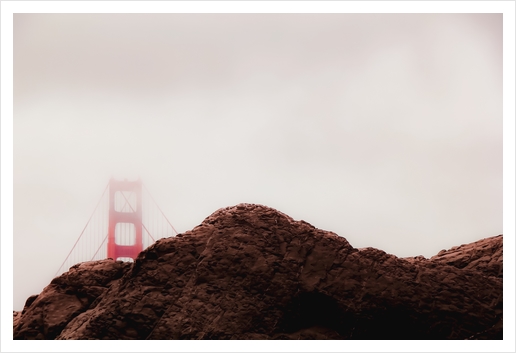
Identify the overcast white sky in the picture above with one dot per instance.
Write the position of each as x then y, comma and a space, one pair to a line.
385, 129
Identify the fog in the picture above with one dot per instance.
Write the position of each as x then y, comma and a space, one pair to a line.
383, 128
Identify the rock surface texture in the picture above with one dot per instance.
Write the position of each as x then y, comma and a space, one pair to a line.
252, 272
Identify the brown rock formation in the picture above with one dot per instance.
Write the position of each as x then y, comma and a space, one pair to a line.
485, 255
16, 318
45, 315
251, 272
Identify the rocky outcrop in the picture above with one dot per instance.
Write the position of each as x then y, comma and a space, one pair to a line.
252, 272
485, 256
47, 314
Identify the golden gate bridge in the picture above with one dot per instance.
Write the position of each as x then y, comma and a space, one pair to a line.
125, 221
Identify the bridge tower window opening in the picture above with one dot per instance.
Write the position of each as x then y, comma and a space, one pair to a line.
125, 259
125, 234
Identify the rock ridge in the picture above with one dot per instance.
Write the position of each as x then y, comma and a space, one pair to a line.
251, 272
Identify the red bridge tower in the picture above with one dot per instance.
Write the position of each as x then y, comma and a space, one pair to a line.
125, 213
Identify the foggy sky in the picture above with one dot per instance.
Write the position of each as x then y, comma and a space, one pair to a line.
385, 129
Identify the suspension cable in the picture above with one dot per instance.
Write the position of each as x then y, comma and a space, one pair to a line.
159, 208
98, 203
99, 247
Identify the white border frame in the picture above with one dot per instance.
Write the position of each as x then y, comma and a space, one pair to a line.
8, 8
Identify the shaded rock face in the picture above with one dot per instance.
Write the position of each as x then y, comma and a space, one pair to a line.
45, 315
251, 272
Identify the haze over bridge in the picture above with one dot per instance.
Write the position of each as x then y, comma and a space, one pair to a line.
125, 221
